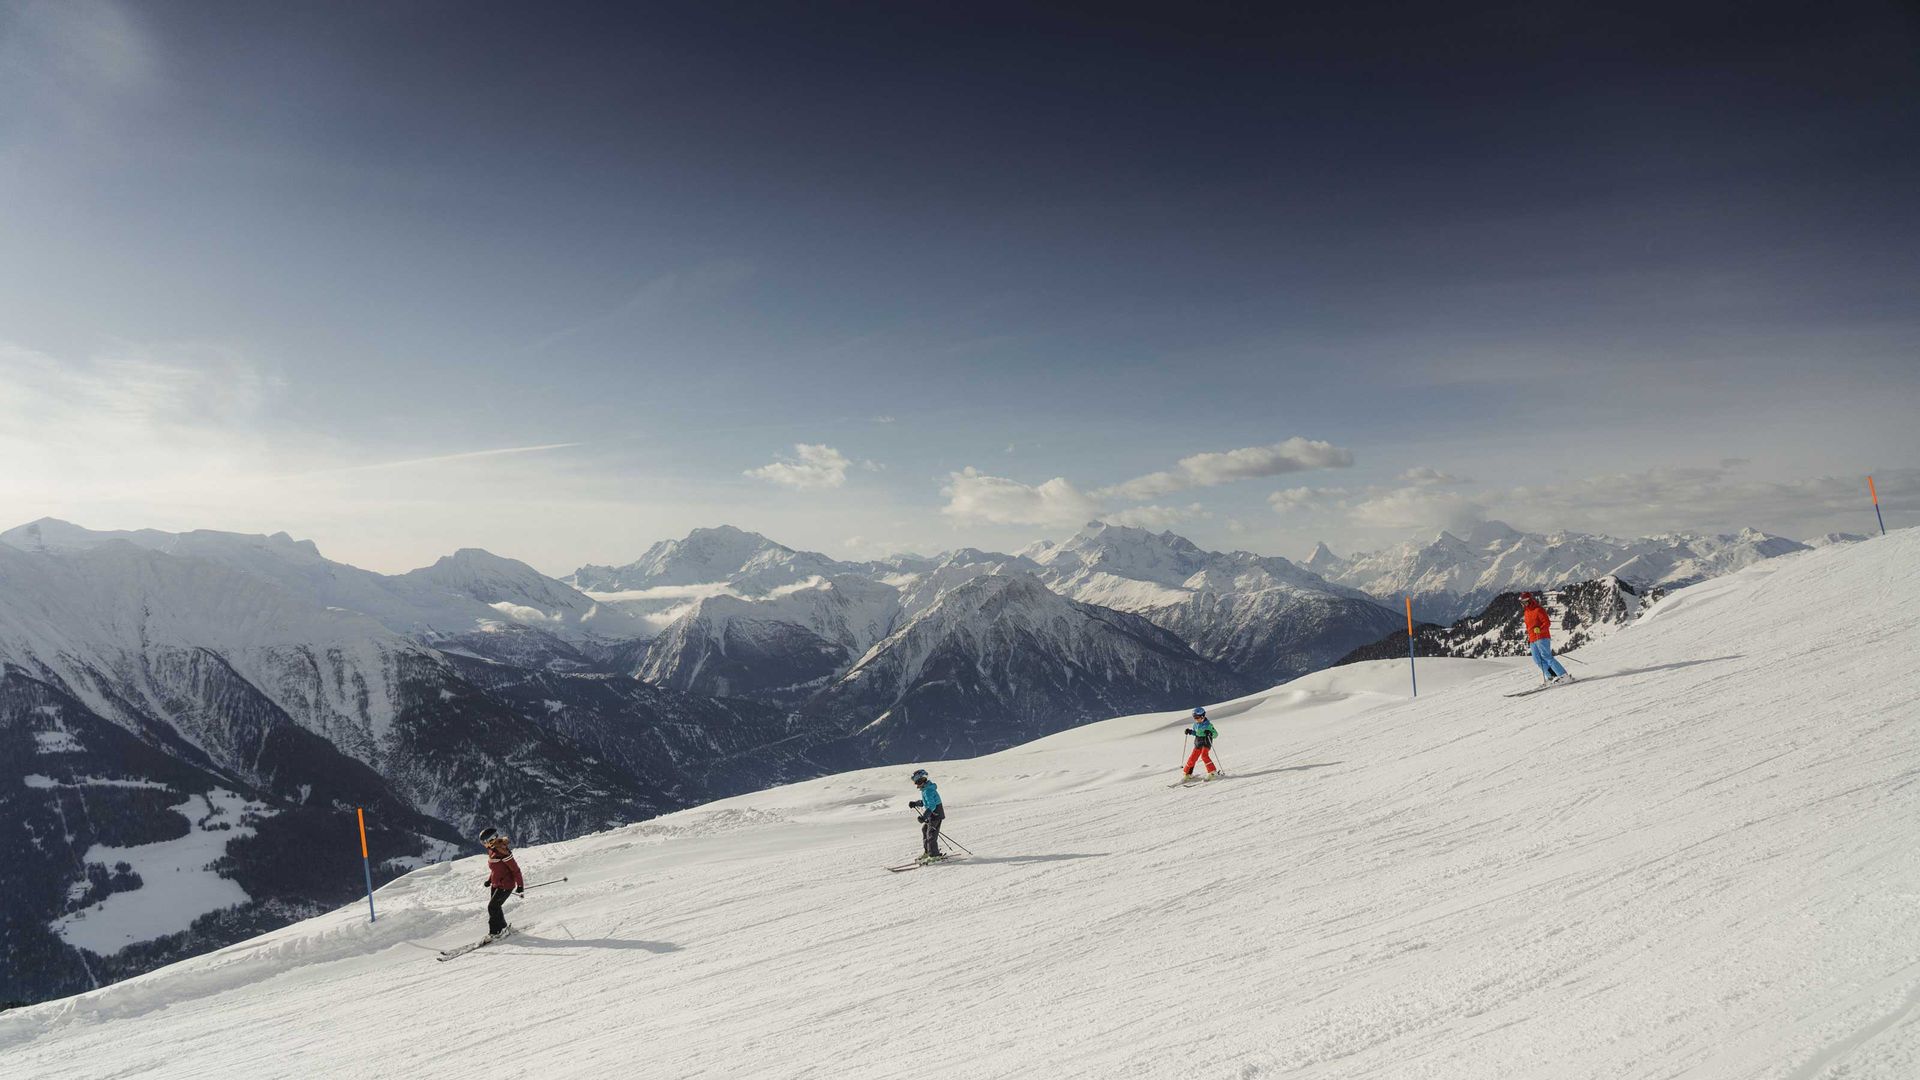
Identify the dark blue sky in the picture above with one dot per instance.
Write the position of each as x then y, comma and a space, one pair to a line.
1529, 245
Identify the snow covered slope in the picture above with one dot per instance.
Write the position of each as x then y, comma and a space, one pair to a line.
1697, 862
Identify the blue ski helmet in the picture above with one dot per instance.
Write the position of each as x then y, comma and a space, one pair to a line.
1199, 714
919, 776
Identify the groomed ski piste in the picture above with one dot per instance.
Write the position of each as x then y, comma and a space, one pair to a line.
1697, 861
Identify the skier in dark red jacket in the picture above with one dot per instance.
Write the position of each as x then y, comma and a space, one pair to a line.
503, 877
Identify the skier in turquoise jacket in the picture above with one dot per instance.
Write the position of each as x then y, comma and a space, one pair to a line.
932, 813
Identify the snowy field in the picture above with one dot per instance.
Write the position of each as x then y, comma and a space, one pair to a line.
1698, 862
178, 884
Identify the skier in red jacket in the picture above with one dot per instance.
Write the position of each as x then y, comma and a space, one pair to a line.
1540, 639
503, 877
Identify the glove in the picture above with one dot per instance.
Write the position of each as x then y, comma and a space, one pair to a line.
485, 882
520, 892
923, 819
915, 804
1189, 731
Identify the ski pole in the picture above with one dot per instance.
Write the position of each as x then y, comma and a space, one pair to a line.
955, 843
555, 881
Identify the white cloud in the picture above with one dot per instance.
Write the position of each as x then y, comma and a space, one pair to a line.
521, 613
1428, 476
1214, 468
813, 467
1159, 517
974, 496
154, 423
1692, 497
1306, 498
1417, 508
464, 455
1708, 497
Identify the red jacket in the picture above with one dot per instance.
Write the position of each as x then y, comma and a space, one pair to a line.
503, 873
1539, 627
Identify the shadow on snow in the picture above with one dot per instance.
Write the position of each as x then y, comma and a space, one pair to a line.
1597, 677
1288, 768
1026, 858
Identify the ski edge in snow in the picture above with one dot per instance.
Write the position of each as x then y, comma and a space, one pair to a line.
917, 864
462, 950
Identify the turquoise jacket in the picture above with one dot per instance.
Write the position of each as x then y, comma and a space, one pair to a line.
930, 797
1204, 733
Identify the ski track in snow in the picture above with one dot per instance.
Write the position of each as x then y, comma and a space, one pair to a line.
1697, 862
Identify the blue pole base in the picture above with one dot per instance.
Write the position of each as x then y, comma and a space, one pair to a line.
368, 867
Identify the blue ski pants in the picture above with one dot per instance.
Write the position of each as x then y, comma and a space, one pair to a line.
1543, 655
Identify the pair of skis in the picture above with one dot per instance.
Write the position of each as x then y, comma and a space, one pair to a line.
918, 863
1196, 781
462, 950
1543, 686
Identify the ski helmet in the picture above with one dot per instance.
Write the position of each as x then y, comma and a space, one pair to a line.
487, 834
1526, 598
919, 776
1199, 714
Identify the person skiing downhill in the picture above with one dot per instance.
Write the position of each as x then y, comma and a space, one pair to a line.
1203, 733
503, 877
1540, 639
932, 813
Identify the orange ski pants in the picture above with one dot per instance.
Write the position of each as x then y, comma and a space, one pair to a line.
1200, 753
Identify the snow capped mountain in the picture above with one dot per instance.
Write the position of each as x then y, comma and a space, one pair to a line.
468, 592
1002, 657
1260, 615
750, 561
1449, 577
206, 653
1324, 562
779, 646
766, 633
521, 594
669, 581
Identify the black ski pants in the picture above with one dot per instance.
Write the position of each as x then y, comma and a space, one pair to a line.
930, 830
496, 918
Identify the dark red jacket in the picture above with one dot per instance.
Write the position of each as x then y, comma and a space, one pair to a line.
503, 873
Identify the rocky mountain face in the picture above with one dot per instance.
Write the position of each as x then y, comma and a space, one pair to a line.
1450, 577
1001, 659
1580, 612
